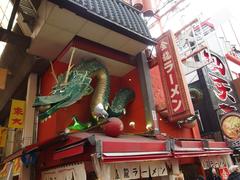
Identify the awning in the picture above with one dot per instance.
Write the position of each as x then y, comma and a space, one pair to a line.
35, 147
201, 153
199, 148
126, 148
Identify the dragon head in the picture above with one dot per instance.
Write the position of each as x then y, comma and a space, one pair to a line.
63, 95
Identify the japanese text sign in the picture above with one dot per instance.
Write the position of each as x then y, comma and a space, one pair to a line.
69, 172
214, 161
178, 99
17, 114
139, 170
218, 78
223, 98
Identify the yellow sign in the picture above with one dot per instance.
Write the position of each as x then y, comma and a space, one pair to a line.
17, 164
15, 170
17, 114
5, 169
3, 136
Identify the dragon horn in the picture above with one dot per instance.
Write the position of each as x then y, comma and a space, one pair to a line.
69, 66
53, 72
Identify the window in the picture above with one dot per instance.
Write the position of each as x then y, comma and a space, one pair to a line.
5, 14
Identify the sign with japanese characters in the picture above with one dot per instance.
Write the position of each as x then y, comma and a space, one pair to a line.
223, 99
213, 161
17, 113
177, 95
3, 136
68, 172
218, 78
139, 170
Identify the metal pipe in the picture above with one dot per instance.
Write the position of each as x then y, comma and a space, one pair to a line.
234, 32
13, 15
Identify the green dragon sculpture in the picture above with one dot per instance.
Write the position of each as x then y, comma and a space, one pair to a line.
79, 85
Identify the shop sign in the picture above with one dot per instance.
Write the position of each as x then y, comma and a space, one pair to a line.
17, 166
214, 161
224, 100
5, 170
218, 78
68, 172
177, 95
12, 168
139, 170
17, 114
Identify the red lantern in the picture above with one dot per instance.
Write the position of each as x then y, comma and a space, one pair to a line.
138, 4
147, 8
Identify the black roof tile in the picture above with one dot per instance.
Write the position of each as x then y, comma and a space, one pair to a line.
113, 14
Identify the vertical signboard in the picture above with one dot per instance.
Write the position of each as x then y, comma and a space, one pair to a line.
17, 114
179, 104
218, 78
218, 81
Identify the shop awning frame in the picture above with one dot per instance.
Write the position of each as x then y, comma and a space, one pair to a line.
126, 148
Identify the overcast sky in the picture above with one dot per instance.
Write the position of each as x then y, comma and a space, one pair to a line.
220, 10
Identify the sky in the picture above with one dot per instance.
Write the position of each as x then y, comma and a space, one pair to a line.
220, 10
211, 7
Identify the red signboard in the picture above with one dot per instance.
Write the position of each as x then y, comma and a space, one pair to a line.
178, 99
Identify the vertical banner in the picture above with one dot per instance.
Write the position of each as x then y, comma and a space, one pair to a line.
17, 166
177, 94
3, 136
224, 100
218, 79
17, 114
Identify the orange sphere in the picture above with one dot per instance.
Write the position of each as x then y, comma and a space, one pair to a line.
114, 127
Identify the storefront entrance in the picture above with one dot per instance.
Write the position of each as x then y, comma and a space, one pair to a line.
190, 171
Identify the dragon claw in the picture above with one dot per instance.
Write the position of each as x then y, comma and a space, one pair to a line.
124, 111
100, 112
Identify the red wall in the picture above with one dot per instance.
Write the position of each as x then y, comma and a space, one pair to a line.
62, 118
